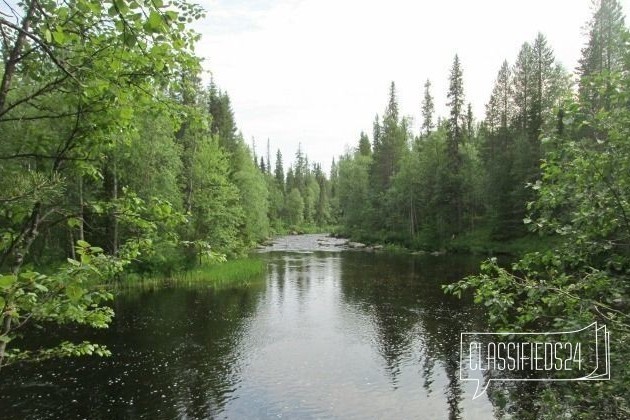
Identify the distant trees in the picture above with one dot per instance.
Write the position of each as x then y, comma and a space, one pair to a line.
457, 175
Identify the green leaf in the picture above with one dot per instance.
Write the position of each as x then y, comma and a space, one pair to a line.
41, 287
83, 244
86, 259
48, 35
7, 280
74, 262
74, 292
154, 23
2, 303
74, 222
130, 39
126, 112
29, 275
59, 36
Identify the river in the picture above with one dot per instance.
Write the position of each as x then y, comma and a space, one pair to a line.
326, 333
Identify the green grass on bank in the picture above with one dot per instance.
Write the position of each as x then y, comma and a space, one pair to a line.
232, 273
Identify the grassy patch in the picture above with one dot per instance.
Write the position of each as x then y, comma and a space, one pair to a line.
232, 273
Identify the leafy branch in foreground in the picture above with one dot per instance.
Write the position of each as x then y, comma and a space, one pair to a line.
584, 199
74, 294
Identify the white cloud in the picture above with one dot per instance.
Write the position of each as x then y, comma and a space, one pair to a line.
317, 71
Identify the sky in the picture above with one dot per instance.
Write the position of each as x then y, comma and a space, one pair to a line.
316, 72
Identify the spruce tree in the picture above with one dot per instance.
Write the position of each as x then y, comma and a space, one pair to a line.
523, 75
391, 142
376, 134
279, 172
453, 194
603, 51
223, 123
456, 114
428, 109
364, 145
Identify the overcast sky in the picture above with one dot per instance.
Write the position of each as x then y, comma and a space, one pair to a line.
316, 72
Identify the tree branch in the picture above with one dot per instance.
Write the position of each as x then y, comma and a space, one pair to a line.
24, 31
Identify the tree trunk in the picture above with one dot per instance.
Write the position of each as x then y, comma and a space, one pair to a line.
81, 210
14, 56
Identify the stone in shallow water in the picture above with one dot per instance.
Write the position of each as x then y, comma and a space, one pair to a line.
356, 245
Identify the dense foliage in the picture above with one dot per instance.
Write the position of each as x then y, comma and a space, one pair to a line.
583, 198
114, 156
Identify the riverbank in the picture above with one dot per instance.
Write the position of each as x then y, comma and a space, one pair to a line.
478, 242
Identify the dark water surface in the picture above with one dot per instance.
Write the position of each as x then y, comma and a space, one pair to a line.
326, 334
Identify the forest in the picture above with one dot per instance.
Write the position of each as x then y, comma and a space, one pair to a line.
116, 158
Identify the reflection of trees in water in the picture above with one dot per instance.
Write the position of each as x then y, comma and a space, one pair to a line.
174, 355
206, 366
403, 297
279, 271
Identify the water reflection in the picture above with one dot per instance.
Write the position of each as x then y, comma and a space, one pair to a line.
411, 315
342, 335
175, 357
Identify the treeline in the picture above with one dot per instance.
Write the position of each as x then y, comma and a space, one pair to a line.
173, 163
456, 175
114, 156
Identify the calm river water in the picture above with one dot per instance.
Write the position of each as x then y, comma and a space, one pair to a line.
325, 334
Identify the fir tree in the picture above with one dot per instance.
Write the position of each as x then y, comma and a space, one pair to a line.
279, 171
428, 109
364, 145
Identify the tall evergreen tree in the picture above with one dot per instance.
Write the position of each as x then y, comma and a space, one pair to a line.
523, 79
469, 118
453, 194
222, 124
364, 145
279, 171
456, 114
390, 145
604, 49
268, 157
428, 109
496, 153
499, 110
376, 133
544, 82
